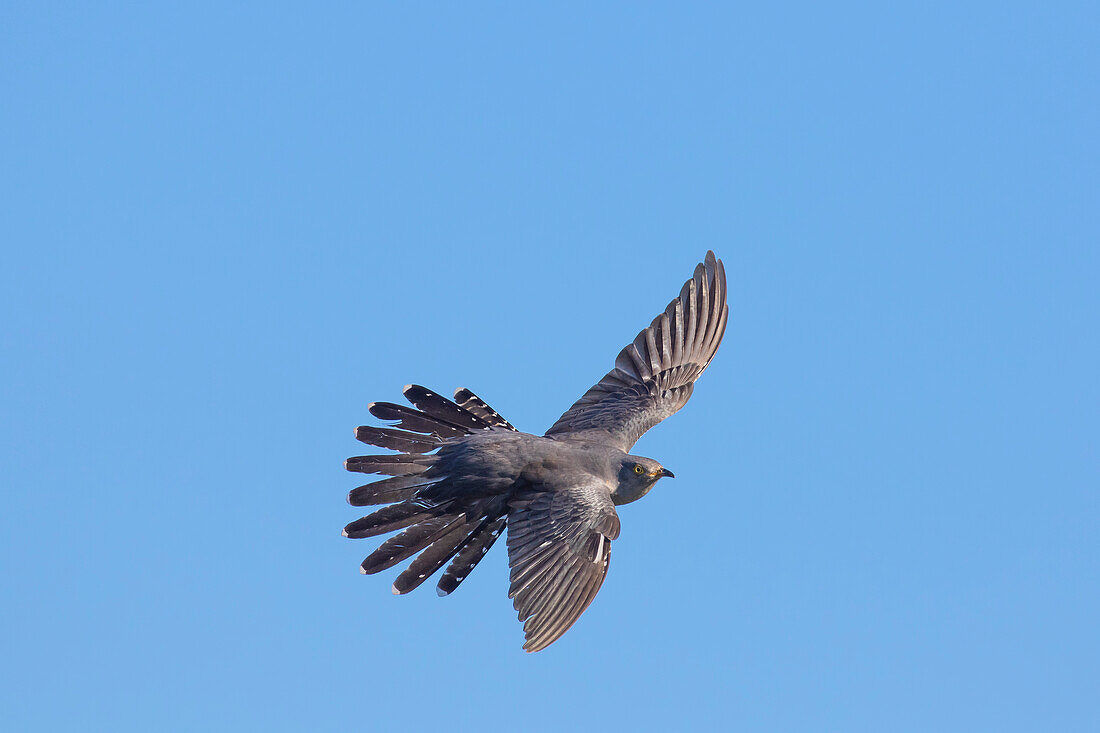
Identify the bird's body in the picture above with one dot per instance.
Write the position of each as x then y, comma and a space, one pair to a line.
501, 461
464, 474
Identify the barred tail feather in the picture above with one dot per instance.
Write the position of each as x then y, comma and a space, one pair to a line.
433, 558
470, 402
477, 544
442, 409
435, 529
411, 541
402, 464
388, 491
414, 420
397, 439
393, 517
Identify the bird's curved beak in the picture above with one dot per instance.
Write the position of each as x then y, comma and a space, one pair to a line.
664, 472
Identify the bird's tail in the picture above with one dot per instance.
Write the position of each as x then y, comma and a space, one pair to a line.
439, 529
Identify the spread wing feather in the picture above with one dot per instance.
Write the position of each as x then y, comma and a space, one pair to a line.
559, 545
655, 374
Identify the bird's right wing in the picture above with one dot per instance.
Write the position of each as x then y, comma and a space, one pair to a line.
559, 547
654, 376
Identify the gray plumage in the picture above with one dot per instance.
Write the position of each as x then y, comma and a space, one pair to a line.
464, 474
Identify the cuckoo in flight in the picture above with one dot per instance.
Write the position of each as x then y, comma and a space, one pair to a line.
462, 474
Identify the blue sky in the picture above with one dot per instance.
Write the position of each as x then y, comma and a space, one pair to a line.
228, 229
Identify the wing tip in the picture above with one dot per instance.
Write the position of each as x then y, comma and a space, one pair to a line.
531, 646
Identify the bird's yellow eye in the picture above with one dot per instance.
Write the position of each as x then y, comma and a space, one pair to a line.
639, 470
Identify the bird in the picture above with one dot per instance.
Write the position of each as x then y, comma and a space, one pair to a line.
462, 475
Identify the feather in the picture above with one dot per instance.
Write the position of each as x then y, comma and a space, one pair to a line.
470, 402
396, 439
398, 465
440, 408
433, 558
414, 420
477, 545
388, 490
387, 519
411, 541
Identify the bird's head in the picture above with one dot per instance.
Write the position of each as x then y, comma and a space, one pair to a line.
636, 477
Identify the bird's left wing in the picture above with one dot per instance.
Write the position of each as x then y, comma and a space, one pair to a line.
559, 547
654, 376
